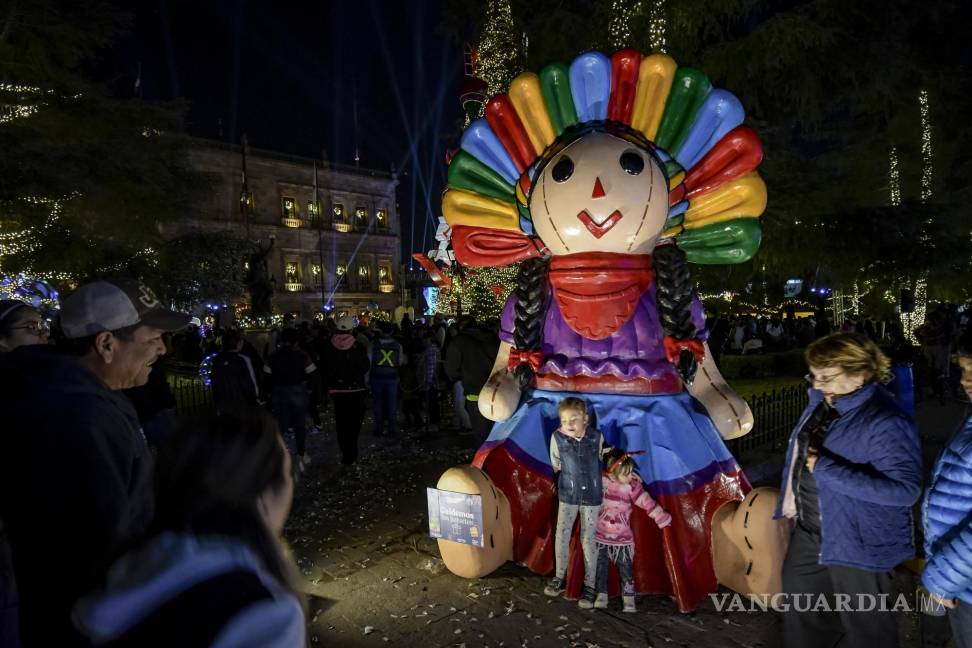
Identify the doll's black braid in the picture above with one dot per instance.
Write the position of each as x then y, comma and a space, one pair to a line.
674, 298
531, 307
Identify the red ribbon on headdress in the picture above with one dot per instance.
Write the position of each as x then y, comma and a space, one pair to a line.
532, 358
620, 460
674, 348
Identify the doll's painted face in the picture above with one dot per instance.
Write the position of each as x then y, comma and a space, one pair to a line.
600, 194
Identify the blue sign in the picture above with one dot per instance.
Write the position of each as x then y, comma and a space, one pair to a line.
455, 516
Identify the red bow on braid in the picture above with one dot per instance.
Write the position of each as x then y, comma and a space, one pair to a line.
532, 358
674, 348
620, 460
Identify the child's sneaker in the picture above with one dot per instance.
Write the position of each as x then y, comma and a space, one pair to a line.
601, 602
629, 604
587, 598
555, 587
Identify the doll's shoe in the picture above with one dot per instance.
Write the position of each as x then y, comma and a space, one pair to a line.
629, 604
748, 545
601, 602
555, 587
470, 561
587, 598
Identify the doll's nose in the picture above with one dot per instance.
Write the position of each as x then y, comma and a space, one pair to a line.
598, 189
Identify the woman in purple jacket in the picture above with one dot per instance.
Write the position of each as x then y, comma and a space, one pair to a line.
852, 474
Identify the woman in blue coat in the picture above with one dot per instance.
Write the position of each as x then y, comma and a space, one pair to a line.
852, 473
947, 514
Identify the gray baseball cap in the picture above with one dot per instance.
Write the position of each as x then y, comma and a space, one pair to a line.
112, 304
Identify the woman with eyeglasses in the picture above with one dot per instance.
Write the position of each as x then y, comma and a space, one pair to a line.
20, 325
852, 474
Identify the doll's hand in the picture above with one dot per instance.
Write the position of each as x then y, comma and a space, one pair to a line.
499, 397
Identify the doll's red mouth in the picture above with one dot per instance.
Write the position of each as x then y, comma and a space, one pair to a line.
599, 230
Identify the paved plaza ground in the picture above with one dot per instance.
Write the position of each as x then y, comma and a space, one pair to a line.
374, 577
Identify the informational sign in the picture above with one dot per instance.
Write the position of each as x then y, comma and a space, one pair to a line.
455, 516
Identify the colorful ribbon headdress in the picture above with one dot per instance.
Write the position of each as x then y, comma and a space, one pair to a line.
709, 156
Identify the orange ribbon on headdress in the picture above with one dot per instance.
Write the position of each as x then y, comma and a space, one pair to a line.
620, 460
532, 358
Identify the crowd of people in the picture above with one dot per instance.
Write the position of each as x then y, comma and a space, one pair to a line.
124, 525
935, 372
102, 541
409, 370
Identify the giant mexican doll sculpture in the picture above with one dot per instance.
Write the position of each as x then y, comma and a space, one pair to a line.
605, 178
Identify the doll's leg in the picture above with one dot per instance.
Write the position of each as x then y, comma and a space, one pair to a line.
566, 514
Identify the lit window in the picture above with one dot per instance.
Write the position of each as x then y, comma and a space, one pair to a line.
289, 208
316, 273
385, 279
313, 208
364, 272
341, 269
360, 216
340, 218
381, 217
292, 272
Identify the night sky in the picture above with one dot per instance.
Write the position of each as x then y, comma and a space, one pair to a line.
299, 77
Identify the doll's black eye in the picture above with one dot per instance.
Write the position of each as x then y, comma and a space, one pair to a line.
632, 163
563, 169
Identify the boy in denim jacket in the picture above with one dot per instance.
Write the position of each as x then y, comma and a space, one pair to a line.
575, 455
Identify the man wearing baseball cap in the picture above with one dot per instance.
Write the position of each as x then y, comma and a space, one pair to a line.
75, 471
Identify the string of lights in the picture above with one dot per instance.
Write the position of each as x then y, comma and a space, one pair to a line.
927, 161
620, 25
658, 27
498, 51
894, 178
481, 292
911, 321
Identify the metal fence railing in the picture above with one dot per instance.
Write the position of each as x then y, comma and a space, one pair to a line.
775, 413
191, 396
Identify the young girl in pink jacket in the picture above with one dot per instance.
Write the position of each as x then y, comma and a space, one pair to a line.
615, 540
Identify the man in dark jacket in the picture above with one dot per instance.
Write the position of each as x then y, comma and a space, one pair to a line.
234, 378
345, 364
469, 359
288, 370
75, 471
387, 359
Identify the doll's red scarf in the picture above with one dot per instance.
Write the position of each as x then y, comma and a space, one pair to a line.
597, 291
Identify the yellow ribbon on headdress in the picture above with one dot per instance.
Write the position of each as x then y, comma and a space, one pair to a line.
467, 208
